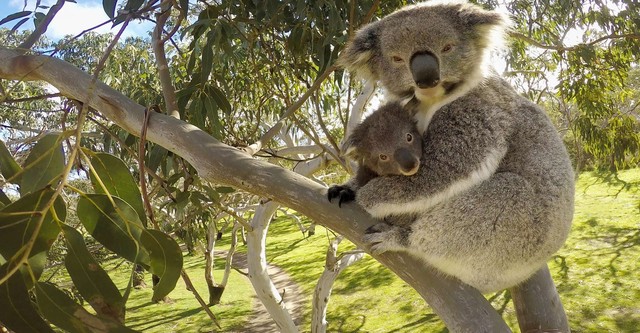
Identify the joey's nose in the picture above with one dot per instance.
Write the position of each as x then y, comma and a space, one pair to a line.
425, 70
407, 161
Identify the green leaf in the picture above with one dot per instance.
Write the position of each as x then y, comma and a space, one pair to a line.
44, 164
133, 5
18, 222
220, 98
18, 313
118, 181
166, 261
109, 7
4, 199
184, 6
19, 24
14, 16
93, 283
157, 155
8, 166
63, 312
37, 19
117, 227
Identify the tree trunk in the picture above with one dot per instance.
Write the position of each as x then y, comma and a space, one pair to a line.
538, 305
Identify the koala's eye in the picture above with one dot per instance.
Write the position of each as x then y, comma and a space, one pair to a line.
383, 157
447, 48
397, 59
409, 137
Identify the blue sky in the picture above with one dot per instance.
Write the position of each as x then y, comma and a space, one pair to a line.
72, 19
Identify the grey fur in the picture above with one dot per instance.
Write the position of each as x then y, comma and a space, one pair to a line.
494, 193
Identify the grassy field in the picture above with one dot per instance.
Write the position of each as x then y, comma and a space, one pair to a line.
597, 273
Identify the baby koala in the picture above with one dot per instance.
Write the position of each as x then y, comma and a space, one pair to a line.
386, 143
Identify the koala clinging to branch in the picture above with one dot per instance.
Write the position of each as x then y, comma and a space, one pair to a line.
387, 142
494, 192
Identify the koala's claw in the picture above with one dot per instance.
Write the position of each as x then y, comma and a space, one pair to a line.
344, 193
381, 238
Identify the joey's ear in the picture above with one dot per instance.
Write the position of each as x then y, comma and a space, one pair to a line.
350, 150
361, 51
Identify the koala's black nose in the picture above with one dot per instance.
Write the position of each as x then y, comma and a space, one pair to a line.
425, 70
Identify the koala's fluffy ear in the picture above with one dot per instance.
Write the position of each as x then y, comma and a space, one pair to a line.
350, 150
475, 16
361, 50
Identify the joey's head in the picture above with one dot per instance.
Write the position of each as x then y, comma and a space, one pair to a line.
387, 142
430, 50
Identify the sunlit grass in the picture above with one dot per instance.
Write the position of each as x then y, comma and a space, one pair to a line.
183, 313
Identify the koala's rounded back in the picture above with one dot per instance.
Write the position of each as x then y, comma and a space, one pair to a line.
387, 142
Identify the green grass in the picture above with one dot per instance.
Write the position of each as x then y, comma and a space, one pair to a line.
183, 312
597, 274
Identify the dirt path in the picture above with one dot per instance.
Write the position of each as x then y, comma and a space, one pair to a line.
260, 321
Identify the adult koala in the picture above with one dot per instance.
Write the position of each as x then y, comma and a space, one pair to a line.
494, 192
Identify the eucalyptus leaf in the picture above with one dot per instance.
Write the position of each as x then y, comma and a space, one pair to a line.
109, 7
93, 283
44, 164
14, 16
117, 227
17, 311
63, 312
166, 261
19, 221
8, 166
117, 180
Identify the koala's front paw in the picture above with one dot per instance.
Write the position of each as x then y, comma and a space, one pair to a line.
383, 237
344, 193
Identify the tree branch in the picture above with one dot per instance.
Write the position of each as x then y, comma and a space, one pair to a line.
168, 91
537, 44
462, 308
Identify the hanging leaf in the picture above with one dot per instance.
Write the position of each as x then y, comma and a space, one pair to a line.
166, 261
184, 7
8, 166
109, 7
133, 5
93, 283
117, 227
18, 223
37, 19
63, 312
220, 98
4, 199
118, 181
19, 24
44, 164
18, 313
14, 16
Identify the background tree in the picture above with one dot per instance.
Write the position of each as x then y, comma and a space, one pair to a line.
258, 76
